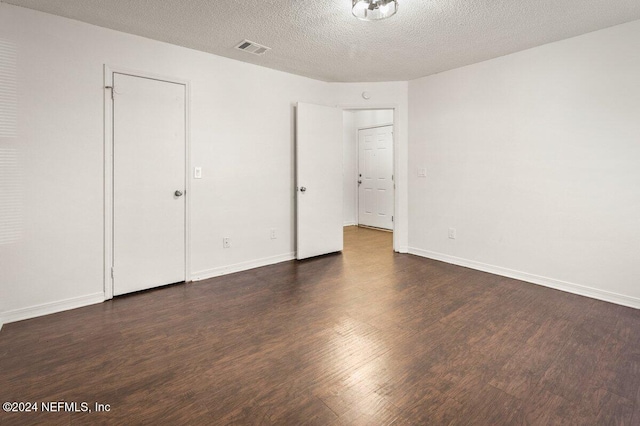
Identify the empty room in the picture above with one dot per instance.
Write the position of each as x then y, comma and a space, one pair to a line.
343, 212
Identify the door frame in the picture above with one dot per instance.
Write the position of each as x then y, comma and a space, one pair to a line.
393, 172
396, 165
108, 169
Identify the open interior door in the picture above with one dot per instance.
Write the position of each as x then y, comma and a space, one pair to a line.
318, 180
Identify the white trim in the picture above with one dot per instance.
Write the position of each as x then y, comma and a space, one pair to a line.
566, 286
374, 127
243, 266
187, 182
108, 185
403, 249
397, 169
350, 224
108, 170
51, 308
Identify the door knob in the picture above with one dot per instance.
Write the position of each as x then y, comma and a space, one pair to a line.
303, 189
359, 181
178, 193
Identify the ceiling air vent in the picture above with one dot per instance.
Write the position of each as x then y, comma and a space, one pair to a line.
251, 47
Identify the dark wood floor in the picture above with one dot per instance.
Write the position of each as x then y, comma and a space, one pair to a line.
367, 337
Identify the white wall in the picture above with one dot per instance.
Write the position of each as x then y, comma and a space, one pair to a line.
349, 163
51, 251
535, 159
373, 117
354, 120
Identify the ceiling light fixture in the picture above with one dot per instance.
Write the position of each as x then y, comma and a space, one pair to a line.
374, 10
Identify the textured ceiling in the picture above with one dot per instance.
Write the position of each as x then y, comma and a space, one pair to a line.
322, 40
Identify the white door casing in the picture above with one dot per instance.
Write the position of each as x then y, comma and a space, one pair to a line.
149, 166
375, 177
318, 180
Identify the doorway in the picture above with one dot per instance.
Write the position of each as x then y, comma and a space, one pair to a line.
369, 177
146, 230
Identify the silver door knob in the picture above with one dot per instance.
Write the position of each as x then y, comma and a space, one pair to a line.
303, 189
178, 193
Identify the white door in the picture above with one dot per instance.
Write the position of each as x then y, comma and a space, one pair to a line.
375, 177
318, 180
148, 183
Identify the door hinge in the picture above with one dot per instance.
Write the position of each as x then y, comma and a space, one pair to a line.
391, 221
112, 273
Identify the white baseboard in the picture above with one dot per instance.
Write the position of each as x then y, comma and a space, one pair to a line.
90, 299
403, 249
569, 287
349, 224
50, 308
243, 266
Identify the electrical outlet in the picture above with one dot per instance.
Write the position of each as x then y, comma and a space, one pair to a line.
422, 172
197, 172
273, 233
226, 242
452, 233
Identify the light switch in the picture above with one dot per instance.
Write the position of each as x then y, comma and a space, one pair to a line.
197, 172
422, 172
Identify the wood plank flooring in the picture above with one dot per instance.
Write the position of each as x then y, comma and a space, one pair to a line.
366, 337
